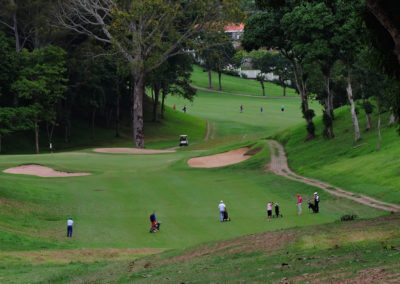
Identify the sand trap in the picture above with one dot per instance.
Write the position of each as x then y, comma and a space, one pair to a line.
131, 151
41, 171
220, 160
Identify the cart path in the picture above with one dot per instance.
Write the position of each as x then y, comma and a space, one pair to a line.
278, 165
244, 95
211, 131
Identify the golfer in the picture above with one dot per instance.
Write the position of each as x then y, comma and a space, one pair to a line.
184, 109
222, 209
282, 108
241, 108
316, 202
299, 201
153, 219
269, 210
70, 222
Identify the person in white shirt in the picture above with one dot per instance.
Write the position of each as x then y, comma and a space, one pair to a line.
70, 222
222, 208
316, 202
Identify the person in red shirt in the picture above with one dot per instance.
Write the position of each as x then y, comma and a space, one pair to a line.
299, 201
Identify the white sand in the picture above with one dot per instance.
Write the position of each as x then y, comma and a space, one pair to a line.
41, 171
220, 160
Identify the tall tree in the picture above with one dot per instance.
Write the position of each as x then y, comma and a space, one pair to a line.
146, 33
41, 84
265, 30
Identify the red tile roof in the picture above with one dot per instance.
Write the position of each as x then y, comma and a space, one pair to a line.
234, 27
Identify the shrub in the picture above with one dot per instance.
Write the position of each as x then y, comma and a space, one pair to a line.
348, 217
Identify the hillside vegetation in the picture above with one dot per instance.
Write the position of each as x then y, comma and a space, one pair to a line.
357, 167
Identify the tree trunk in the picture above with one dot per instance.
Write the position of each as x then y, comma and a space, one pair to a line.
66, 134
284, 90
354, 119
262, 87
162, 103
50, 131
301, 87
138, 93
155, 103
209, 80
329, 105
219, 80
15, 28
367, 115
117, 119
92, 121
1, 140
36, 136
392, 119
378, 104
388, 21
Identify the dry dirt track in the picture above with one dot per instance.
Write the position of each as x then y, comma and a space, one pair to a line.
278, 165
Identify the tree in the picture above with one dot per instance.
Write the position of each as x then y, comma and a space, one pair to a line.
146, 33
309, 28
383, 21
41, 84
14, 119
265, 30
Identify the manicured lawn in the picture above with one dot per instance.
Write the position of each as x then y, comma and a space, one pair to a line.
234, 84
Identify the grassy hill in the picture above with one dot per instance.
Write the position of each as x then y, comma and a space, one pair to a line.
356, 167
237, 85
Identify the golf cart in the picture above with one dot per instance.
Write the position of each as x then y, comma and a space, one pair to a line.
183, 140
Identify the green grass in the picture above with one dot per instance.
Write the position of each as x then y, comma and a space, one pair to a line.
238, 85
361, 169
111, 208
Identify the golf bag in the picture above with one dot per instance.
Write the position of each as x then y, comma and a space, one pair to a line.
312, 207
155, 228
226, 217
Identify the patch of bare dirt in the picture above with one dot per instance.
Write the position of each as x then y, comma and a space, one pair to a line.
84, 255
220, 160
266, 242
41, 171
278, 165
132, 151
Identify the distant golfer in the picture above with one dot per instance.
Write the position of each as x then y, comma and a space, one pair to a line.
222, 209
153, 219
316, 202
184, 109
70, 222
241, 108
299, 201
282, 108
261, 110
174, 107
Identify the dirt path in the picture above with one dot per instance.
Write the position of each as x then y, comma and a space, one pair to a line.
211, 131
278, 165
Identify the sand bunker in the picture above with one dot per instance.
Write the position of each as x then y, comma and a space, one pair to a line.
220, 160
131, 151
41, 171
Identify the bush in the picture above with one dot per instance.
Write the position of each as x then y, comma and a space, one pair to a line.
231, 73
348, 217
